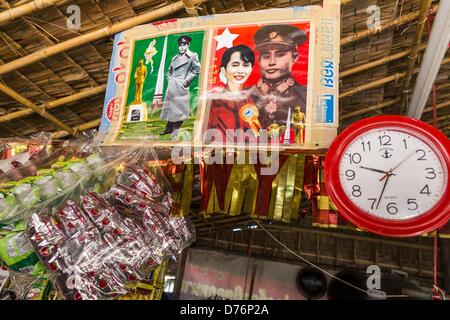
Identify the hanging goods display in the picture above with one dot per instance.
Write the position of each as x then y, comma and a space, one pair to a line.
92, 222
390, 175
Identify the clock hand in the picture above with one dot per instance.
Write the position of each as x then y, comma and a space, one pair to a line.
388, 175
376, 170
398, 165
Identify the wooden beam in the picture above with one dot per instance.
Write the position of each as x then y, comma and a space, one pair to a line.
42, 112
380, 82
386, 104
315, 231
25, 9
444, 257
443, 86
439, 106
81, 127
377, 63
376, 107
93, 36
191, 8
180, 272
55, 103
373, 84
441, 118
343, 261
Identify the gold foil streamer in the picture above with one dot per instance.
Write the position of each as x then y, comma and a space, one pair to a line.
280, 192
186, 188
290, 185
251, 191
300, 163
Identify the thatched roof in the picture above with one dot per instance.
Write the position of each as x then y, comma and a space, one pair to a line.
84, 68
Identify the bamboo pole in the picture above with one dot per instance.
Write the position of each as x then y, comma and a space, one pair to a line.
379, 62
424, 11
439, 106
385, 105
82, 127
445, 61
25, 9
93, 36
446, 117
380, 82
55, 103
396, 22
42, 112
373, 84
190, 7
376, 107
443, 86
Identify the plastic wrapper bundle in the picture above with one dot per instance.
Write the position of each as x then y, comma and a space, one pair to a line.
16, 153
48, 178
93, 242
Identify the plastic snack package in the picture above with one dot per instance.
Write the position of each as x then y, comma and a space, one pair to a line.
8, 202
134, 196
65, 242
104, 218
49, 187
4, 276
130, 245
89, 249
139, 179
17, 253
39, 289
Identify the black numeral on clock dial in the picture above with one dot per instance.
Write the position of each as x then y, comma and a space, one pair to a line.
391, 208
385, 140
354, 158
431, 174
425, 190
421, 154
372, 205
412, 204
364, 144
356, 191
350, 174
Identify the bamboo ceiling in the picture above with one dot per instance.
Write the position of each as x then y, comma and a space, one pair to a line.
54, 89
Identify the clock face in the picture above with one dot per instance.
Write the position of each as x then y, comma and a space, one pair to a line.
392, 174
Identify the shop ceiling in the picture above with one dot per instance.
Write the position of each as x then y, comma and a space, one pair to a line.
54, 78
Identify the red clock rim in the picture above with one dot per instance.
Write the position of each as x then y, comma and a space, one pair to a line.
429, 221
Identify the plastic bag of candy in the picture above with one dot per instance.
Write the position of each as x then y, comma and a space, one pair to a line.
73, 167
94, 241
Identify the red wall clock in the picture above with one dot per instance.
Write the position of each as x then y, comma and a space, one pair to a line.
390, 175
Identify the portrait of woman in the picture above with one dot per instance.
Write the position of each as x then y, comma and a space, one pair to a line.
228, 104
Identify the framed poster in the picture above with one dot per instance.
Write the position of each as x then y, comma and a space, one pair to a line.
240, 79
258, 83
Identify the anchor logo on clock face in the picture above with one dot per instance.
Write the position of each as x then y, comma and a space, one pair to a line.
387, 153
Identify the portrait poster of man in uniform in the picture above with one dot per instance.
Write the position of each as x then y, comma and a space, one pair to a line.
163, 84
273, 97
184, 68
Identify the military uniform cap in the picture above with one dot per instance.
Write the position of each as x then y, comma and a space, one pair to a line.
185, 39
281, 34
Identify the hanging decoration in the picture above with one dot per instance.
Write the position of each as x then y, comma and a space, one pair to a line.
272, 77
